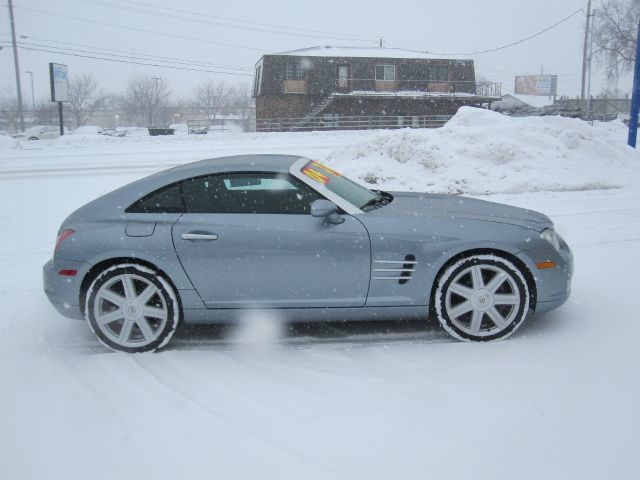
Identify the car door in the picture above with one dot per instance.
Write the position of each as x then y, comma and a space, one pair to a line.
248, 240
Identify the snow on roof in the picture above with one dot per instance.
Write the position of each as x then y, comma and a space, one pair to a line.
362, 52
536, 101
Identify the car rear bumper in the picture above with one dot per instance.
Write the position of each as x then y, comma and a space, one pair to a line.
64, 291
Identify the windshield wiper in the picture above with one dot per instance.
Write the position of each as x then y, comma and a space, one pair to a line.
378, 201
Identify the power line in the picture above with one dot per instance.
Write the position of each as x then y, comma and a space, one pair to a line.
530, 37
135, 29
165, 34
372, 37
60, 51
512, 44
223, 21
133, 55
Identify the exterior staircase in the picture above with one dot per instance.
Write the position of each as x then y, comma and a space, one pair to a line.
314, 113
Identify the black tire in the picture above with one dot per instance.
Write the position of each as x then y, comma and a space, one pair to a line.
132, 308
490, 317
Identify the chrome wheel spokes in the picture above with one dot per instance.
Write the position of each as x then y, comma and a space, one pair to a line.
130, 310
482, 300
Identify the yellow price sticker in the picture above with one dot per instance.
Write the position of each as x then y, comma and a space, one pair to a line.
317, 176
325, 168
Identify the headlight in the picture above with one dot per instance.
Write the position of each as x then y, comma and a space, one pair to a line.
552, 237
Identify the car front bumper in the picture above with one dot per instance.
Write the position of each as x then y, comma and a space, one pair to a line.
64, 291
553, 285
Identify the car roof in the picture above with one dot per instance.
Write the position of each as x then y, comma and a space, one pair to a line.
236, 163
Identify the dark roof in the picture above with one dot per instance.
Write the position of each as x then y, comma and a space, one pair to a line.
360, 52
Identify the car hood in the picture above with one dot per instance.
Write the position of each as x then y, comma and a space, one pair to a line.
458, 207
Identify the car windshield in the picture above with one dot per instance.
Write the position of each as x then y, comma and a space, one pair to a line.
353, 193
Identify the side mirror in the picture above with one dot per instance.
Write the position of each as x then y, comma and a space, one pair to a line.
327, 210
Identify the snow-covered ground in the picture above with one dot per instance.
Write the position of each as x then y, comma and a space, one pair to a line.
557, 400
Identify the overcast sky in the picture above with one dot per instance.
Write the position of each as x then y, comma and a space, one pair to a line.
461, 26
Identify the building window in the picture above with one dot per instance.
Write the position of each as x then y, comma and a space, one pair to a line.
385, 72
257, 81
293, 71
439, 73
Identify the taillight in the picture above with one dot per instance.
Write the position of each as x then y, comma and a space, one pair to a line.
62, 237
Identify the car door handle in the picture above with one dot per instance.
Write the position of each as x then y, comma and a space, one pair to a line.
199, 236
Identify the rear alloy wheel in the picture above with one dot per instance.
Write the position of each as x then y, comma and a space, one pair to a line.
482, 298
132, 309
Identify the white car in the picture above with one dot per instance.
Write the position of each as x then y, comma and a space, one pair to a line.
132, 132
179, 128
87, 130
40, 133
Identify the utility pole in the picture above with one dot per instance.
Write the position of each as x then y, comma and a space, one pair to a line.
589, 99
584, 57
155, 100
16, 64
635, 99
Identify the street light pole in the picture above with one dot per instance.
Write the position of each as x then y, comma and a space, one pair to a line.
635, 99
33, 97
584, 58
16, 64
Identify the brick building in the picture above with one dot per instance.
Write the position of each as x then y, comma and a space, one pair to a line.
347, 87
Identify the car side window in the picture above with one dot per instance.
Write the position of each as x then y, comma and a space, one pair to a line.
263, 193
165, 200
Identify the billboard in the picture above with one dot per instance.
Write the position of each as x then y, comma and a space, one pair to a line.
59, 77
543, 85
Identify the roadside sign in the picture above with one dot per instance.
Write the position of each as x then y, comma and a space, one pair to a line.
59, 77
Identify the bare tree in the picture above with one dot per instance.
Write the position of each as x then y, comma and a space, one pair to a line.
241, 100
612, 92
211, 97
46, 112
614, 36
85, 97
8, 110
145, 100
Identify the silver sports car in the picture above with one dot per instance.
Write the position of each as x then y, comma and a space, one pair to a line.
204, 242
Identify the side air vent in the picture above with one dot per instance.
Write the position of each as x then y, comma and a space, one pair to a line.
396, 270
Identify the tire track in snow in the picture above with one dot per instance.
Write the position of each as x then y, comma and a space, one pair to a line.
220, 417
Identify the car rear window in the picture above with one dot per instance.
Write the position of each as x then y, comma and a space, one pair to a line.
165, 200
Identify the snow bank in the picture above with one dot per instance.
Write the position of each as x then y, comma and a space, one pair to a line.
7, 142
477, 152
480, 151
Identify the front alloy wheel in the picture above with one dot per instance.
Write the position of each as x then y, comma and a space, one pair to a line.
132, 309
482, 298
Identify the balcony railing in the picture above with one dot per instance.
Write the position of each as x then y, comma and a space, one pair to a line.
332, 122
413, 88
